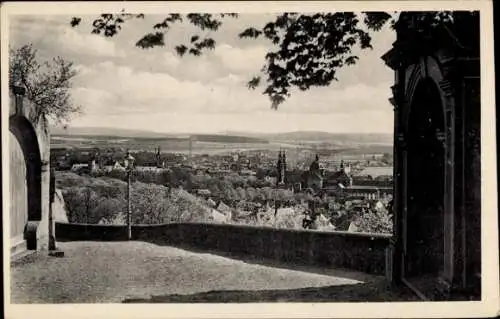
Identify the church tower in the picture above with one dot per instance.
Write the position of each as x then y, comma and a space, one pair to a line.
281, 168
158, 158
278, 169
347, 169
314, 167
94, 161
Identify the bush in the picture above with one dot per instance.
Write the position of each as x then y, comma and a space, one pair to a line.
375, 221
81, 203
94, 200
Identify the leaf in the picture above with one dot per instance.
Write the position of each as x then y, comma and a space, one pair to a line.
308, 48
181, 49
151, 40
207, 43
75, 21
254, 82
161, 25
376, 20
232, 15
351, 60
204, 21
250, 33
47, 83
173, 17
195, 52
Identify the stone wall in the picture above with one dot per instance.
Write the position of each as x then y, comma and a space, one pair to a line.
366, 253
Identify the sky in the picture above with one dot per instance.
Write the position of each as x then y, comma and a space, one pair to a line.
121, 86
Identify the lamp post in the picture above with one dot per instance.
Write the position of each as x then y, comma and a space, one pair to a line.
275, 207
129, 166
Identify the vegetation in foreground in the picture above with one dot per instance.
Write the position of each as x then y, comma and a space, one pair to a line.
103, 200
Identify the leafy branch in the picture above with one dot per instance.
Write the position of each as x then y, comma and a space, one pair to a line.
47, 84
308, 49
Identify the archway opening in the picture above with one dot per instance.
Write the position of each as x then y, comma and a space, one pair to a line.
25, 172
425, 183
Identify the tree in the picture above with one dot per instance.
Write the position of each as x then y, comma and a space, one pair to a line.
308, 48
375, 221
251, 194
150, 204
81, 203
47, 83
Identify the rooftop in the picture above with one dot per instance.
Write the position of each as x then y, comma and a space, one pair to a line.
376, 171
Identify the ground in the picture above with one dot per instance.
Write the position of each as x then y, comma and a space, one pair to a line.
94, 272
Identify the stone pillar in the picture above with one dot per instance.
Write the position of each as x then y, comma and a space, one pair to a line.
43, 225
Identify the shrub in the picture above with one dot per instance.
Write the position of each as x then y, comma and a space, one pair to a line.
375, 221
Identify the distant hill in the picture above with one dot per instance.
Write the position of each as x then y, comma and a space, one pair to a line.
318, 136
340, 139
220, 138
107, 131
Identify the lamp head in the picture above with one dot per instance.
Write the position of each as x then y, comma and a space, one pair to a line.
129, 161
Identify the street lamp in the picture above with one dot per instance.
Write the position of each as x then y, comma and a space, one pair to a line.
275, 207
129, 166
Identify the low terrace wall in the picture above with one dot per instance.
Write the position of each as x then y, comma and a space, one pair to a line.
91, 232
368, 253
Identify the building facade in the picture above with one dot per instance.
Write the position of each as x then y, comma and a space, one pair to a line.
437, 198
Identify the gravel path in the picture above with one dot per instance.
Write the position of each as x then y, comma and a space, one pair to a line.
92, 272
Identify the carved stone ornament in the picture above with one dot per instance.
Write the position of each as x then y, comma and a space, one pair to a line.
447, 65
401, 140
448, 107
394, 90
441, 137
394, 104
394, 99
446, 87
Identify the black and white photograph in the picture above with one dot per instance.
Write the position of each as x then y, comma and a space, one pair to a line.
235, 158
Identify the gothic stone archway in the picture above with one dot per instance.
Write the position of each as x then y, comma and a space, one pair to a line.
425, 200
437, 163
26, 182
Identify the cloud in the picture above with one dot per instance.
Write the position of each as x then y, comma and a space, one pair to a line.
238, 60
345, 99
133, 91
94, 101
171, 61
77, 43
54, 35
130, 91
119, 84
